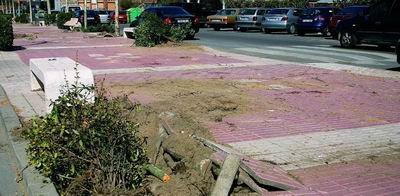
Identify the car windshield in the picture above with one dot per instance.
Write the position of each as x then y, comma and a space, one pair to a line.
316, 11
247, 12
226, 12
279, 11
173, 11
103, 12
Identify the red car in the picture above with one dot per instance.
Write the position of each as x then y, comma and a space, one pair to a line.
122, 17
346, 13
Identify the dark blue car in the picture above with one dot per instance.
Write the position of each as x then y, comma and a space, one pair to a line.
315, 20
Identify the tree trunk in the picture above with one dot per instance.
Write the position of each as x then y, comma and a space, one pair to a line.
116, 17
85, 15
30, 11
48, 7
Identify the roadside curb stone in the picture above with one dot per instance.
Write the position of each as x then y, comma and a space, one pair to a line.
35, 183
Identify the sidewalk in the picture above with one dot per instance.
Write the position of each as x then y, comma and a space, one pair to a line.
335, 128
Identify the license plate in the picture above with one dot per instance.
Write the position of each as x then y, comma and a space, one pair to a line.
90, 18
183, 21
307, 20
272, 19
244, 19
216, 20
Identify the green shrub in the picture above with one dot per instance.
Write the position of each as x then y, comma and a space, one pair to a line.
50, 18
179, 33
62, 18
87, 147
100, 28
6, 32
23, 18
150, 32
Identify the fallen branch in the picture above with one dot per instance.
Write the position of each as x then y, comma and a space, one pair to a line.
166, 127
161, 137
227, 175
216, 147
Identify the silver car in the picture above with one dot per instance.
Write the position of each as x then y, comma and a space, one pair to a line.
281, 19
250, 18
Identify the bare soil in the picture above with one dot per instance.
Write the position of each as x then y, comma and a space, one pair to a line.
186, 105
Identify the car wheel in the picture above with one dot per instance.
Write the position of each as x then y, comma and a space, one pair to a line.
300, 33
347, 40
292, 29
217, 28
266, 31
243, 29
190, 36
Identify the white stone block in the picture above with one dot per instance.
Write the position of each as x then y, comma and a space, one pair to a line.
52, 74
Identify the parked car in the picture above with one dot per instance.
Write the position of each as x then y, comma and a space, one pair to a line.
71, 8
225, 18
171, 15
199, 10
315, 20
122, 17
250, 18
344, 14
281, 19
380, 26
92, 17
398, 51
104, 16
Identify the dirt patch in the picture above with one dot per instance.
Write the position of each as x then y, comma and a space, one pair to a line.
186, 105
24, 36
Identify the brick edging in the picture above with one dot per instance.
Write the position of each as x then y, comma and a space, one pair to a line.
35, 183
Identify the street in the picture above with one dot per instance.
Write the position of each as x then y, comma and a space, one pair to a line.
312, 48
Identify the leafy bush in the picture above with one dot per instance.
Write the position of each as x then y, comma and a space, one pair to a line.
62, 18
87, 147
23, 18
100, 28
179, 33
150, 32
6, 32
50, 18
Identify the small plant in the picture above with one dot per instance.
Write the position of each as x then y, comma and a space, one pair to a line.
150, 32
179, 33
62, 18
87, 146
23, 18
108, 28
50, 19
6, 32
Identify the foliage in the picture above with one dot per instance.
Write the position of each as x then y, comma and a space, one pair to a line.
23, 18
108, 28
179, 33
6, 32
62, 18
87, 146
150, 32
290, 3
50, 18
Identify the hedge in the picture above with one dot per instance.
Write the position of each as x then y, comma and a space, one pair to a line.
6, 32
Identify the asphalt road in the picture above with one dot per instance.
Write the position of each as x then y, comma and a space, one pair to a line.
312, 48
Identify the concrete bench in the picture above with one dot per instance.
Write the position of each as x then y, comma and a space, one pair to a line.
51, 74
128, 32
73, 23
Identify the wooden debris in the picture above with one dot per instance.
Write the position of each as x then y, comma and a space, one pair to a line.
227, 175
161, 137
216, 147
205, 166
173, 154
243, 177
157, 172
166, 127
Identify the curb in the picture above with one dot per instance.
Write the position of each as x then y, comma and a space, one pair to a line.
35, 183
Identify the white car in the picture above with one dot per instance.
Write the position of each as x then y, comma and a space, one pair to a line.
104, 16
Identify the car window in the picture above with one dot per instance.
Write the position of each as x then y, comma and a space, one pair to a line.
247, 12
260, 12
381, 9
395, 13
311, 11
297, 12
226, 12
173, 11
279, 11
103, 12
